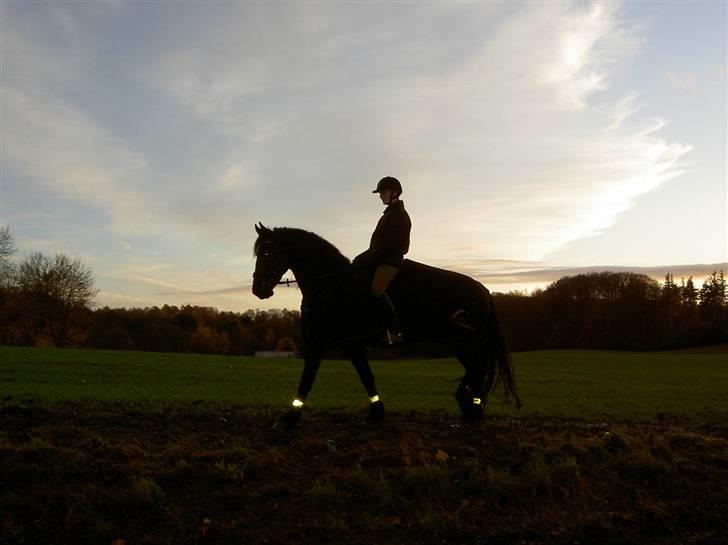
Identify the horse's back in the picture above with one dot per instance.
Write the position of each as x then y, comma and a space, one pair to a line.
427, 286
414, 272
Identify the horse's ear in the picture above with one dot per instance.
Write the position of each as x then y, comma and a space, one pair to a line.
257, 229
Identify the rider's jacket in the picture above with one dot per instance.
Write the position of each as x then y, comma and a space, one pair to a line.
391, 238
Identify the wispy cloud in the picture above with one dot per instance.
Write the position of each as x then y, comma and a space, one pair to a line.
526, 177
551, 274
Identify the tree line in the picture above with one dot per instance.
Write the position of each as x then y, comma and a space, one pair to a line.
617, 311
48, 301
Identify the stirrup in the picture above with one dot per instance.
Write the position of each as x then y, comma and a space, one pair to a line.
394, 337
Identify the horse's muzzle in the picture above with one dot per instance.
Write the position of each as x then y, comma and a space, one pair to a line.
263, 290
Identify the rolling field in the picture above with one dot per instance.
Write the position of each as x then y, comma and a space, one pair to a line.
555, 383
120, 448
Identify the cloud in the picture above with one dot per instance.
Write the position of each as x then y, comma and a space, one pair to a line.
574, 69
497, 276
54, 143
66, 152
501, 119
552, 274
683, 81
238, 176
506, 115
114, 300
533, 159
506, 276
503, 112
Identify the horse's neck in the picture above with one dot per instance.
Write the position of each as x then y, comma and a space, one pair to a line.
315, 278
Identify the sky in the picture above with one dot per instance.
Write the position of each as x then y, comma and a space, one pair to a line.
533, 140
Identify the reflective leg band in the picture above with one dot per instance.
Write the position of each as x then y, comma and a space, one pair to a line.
297, 403
374, 399
476, 401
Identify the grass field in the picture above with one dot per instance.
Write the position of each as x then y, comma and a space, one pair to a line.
132, 447
553, 383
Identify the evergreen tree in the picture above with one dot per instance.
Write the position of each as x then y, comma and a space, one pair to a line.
714, 308
689, 293
713, 293
670, 290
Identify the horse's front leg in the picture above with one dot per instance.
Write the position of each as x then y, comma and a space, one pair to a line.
358, 357
311, 364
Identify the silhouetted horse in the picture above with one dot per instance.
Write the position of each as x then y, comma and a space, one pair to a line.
338, 310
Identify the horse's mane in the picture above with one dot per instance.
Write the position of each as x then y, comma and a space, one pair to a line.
305, 243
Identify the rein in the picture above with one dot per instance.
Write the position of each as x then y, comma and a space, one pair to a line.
288, 282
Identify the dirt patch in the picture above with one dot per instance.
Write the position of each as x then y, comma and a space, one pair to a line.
121, 475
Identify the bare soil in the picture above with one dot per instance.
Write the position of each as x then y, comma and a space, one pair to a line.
117, 474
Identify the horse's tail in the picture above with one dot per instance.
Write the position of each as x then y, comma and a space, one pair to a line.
500, 363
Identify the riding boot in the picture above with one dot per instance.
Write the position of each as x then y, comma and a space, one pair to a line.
389, 316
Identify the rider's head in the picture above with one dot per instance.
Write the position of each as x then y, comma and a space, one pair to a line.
389, 189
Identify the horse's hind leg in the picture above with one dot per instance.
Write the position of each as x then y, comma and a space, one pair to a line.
469, 394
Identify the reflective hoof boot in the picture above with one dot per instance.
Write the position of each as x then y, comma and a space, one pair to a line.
464, 397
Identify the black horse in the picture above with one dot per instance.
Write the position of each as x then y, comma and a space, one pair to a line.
338, 310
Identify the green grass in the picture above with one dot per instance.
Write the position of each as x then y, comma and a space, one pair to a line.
560, 382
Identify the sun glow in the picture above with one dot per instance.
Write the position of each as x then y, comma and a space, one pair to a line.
573, 50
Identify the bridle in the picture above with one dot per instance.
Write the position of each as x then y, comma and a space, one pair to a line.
269, 282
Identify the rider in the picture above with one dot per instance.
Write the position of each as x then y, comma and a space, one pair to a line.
389, 243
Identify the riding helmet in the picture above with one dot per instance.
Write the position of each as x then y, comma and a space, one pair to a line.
389, 182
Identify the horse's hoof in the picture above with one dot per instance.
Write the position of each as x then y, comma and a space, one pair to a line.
376, 412
291, 418
474, 413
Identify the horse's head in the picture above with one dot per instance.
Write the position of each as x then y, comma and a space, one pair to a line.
271, 263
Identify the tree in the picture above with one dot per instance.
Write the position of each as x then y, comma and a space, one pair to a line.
7, 249
714, 307
689, 292
286, 344
269, 341
713, 293
58, 292
600, 310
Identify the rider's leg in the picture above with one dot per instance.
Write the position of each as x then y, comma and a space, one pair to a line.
383, 276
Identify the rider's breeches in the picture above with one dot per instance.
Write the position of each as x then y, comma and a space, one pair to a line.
382, 277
